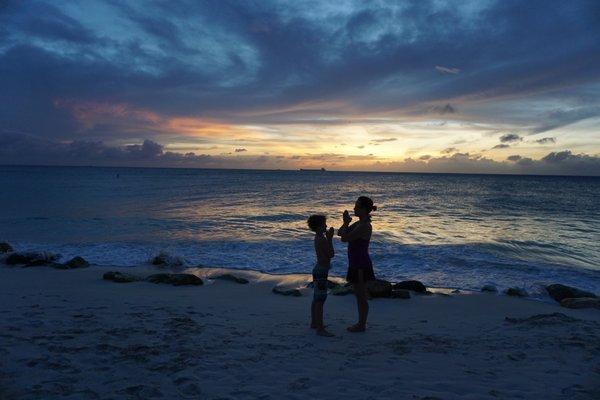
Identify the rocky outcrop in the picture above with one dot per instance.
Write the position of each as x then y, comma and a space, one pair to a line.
489, 289
74, 263
516, 292
400, 294
175, 279
120, 277
5, 248
560, 292
287, 292
379, 288
30, 259
330, 284
415, 286
581, 302
231, 278
342, 290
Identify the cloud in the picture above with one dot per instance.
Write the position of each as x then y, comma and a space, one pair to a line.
384, 140
546, 140
239, 150
510, 137
501, 146
19, 149
449, 150
241, 63
445, 109
446, 71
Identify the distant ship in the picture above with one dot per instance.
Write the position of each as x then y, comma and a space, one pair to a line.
308, 169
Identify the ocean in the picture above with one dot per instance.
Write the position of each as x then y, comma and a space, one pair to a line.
448, 230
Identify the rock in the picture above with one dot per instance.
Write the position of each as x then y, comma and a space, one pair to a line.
166, 260
489, 288
559, 292
517, 292
379, 288
342, 290
287, 292
5, 248
119, 277
30, 259
75, 262
415, 286
175, 279
232, 278
400, 294
581, 302
330, 284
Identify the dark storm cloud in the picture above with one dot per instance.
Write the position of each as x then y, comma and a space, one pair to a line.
514, 158
238, 60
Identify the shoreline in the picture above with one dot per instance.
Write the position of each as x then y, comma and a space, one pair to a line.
70, 334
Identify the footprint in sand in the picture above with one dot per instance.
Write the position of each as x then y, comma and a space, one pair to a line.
187, 387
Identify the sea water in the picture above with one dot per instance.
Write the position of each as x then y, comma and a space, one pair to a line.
447, 230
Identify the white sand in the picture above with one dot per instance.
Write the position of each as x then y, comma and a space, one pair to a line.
71, 335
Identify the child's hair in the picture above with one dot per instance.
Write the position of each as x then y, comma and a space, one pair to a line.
366, 203
316, 221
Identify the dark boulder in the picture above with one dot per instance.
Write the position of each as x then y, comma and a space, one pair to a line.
559, 292
5, 248
30, 259
489, 288
230, 277
516, 292
287, 292
74, 263
581, 302
379, 288
119, 277
414, 286
330, 284
175, 279
400, 294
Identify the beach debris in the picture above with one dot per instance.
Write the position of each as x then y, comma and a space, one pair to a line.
581, 302
559, 292
230, 277
5, 248
30, 259
517, 292
74, 263
287, 292
489, 289
342, 290
542, 319
400, 294
415, 286
379, 288
120, 277
175, 279
166, 260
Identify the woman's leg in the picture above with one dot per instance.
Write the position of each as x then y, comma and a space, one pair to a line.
313, 323
360, 291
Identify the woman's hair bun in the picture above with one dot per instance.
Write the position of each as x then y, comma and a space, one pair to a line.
374, 208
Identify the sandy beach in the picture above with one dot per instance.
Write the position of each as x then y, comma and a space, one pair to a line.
72, 335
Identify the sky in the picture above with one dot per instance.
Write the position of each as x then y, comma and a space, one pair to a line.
411, 86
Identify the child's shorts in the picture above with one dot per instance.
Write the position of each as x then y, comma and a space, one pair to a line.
320, 274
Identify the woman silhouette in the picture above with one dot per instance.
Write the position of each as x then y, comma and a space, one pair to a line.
360, 267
